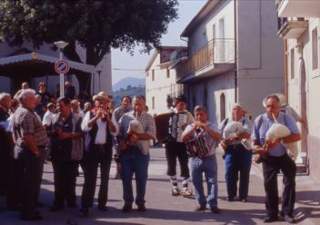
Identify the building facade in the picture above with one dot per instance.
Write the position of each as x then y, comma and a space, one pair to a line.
19, 64
299, 26
234, 55
161, 80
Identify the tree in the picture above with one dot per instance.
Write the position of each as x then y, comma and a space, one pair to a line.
96, 25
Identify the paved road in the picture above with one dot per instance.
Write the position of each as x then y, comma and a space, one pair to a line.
168, 210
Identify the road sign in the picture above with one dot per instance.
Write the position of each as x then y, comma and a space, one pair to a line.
61, 67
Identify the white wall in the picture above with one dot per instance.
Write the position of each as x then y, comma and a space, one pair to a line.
160, 88
260, 53
204, 32
215, 87
303, 47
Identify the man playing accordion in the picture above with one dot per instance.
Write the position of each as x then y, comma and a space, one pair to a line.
176, 149
202, 138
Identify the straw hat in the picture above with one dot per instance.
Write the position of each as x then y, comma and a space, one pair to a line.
101, 96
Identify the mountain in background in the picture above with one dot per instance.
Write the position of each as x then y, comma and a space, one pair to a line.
127, 87
129, 81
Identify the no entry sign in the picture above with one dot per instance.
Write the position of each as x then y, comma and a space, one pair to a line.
61, 67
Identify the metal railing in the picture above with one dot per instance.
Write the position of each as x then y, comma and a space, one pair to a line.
215, 51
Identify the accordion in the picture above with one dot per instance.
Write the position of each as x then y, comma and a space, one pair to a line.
197, 147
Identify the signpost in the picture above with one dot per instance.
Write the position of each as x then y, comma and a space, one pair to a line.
61, 66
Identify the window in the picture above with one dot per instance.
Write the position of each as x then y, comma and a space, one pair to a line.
315, 49
292, 63
153, 102
147, 73
222, 107
152, 75
168, 73
221, 43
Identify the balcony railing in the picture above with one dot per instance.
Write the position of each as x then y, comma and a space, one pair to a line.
214, 52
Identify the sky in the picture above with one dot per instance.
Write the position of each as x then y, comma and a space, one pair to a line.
126, 65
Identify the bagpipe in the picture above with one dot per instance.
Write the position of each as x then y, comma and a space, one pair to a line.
231, 131
276, 132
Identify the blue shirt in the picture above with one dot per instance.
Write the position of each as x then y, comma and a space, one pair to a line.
263, 123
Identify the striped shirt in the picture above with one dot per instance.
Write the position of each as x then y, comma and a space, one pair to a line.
26, 122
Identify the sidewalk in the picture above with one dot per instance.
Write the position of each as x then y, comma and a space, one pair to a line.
164, 209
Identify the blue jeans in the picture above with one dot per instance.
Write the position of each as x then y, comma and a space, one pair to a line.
237, 161
133, 161
208, 166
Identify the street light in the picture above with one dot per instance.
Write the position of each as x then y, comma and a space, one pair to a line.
61, 45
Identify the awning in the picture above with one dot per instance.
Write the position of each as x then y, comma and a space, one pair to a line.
6, 61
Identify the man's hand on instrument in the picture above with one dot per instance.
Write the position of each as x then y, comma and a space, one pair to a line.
133, 137
272, 143
260, 150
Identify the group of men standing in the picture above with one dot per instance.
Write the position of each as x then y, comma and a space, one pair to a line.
88, 139
196, 139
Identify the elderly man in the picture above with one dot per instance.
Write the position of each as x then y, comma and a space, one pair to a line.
99, 130
137, 128
202, 138
275, 158
30, 140
5, 141
237, 157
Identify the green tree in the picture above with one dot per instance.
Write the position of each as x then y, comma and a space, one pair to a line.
96, 25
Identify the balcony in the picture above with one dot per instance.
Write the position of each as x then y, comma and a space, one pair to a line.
216, 57
298, 8
292, 28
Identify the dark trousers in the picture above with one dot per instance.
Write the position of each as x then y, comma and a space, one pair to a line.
65, 174
133, 161
5, 159
271, 166
29, 168
97, 155
237, 163
14, 194
176, 150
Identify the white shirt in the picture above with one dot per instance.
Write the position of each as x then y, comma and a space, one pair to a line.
101, 137
48, 118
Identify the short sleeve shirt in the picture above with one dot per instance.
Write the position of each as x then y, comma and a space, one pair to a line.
263, 123
26, 122
210, 142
